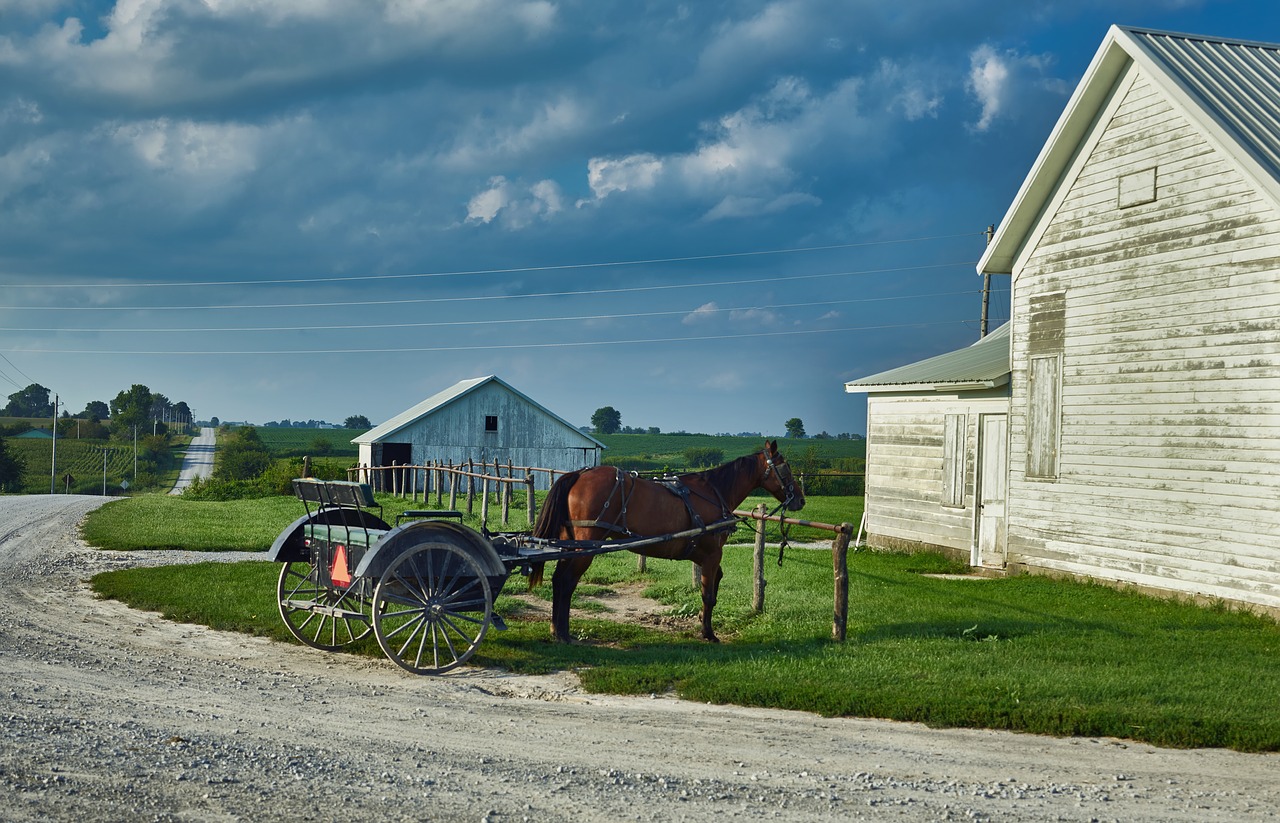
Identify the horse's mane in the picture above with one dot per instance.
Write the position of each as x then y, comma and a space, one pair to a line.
722, 476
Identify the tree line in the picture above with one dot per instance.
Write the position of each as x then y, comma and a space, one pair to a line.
136, 414
608, 420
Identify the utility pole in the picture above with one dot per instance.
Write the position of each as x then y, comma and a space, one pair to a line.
986, 288
53, 468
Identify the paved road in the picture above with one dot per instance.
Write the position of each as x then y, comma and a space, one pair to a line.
199, 460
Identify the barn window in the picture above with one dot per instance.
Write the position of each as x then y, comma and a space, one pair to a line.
491, 422
953, 448
1137, 189
1044, 413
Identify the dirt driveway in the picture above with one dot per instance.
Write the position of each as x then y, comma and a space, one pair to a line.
110, 714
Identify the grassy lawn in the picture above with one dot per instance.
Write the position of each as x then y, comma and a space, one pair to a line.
1023, 653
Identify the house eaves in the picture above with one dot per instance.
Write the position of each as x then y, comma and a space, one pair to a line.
1228, 89
984, 365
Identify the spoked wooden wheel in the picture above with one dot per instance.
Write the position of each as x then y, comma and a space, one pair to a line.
432, 608
320, 616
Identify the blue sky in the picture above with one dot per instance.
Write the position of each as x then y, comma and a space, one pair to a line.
707, 215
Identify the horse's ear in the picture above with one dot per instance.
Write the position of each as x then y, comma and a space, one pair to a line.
772, 446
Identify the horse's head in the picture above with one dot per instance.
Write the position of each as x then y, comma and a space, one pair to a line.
777, 479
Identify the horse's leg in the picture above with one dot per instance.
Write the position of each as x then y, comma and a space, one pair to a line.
711, 577
563, 581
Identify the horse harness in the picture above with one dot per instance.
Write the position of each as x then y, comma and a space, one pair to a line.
673, 485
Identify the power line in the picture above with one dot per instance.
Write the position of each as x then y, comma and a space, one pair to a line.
514, 270
497, 347
495, 297
495, 321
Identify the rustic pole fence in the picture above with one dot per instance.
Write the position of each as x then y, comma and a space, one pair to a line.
757, 561
839, 563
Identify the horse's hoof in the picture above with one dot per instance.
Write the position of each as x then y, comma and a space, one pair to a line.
711, 638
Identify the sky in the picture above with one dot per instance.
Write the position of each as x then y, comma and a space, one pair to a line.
708, 215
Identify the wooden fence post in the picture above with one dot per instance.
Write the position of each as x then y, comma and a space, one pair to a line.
757, 561
471, 485
484, 501
453, 487
532, 507
840, 562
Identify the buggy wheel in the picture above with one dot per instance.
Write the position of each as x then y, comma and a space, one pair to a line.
320, 616
432, 608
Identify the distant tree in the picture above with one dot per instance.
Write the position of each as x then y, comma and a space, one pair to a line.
95, 410
130, 408
606, 420
213, 421
654, 430
242, 457
33, 401
795, 427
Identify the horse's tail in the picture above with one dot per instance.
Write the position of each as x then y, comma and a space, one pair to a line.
552, 518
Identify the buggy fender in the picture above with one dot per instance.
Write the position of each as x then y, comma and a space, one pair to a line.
290, 545
401, 538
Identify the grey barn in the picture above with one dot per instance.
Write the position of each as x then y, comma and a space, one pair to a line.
482, 419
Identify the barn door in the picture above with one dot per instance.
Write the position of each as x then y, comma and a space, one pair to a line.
993, 463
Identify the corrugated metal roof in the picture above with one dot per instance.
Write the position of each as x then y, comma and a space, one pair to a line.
1238, 81
444, 398
1230, 89
983, 365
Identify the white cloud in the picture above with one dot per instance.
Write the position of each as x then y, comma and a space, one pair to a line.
988, 81
637, 172
484, 207
1002, 82
514, 206
199, 150
704, 312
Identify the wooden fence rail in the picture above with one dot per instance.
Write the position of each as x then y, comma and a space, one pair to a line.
408, 481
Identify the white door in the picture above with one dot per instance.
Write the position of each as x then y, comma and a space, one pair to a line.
992, 474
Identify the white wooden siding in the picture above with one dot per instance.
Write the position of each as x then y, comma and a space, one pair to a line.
1170, 380
907, 493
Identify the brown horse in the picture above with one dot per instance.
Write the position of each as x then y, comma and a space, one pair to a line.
605, 503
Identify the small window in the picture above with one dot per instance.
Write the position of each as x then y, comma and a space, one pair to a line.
1044, 414
953, 449
491, 422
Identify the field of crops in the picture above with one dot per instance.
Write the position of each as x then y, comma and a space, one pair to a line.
82, 459
295, 442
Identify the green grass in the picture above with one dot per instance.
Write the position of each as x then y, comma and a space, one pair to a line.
1023, 653
164, 522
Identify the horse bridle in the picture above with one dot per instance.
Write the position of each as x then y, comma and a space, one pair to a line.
789, 486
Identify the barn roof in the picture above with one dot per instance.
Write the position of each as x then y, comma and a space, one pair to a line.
441, 399
984, 365
1229, 89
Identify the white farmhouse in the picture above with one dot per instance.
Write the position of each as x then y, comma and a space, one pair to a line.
1144, 254
482, 419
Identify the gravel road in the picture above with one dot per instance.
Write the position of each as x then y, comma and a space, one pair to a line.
111, 714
